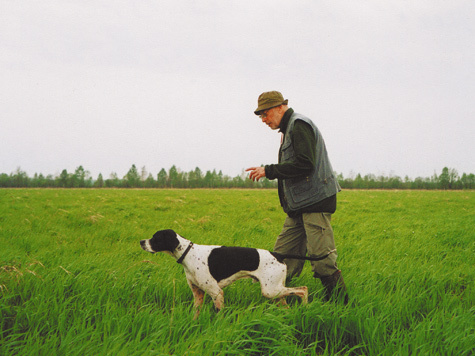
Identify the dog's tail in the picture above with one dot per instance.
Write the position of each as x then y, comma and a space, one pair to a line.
280, 257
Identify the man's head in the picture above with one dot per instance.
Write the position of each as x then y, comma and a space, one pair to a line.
271, 107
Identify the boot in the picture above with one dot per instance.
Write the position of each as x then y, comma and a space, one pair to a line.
335, 287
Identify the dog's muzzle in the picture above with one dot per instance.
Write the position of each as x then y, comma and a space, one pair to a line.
145, 244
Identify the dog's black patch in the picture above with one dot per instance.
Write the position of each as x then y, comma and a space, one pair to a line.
164, 240
224, 261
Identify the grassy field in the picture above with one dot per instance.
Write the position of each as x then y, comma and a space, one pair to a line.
74, 281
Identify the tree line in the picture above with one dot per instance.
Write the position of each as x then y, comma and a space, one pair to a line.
448, 179
175, 178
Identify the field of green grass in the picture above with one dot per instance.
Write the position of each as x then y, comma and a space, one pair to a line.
74, 280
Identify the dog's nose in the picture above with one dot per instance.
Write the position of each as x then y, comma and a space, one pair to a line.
142, 243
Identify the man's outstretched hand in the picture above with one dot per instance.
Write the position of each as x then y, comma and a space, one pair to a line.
256, 173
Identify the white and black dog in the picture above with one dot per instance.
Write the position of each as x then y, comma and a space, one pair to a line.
211, 268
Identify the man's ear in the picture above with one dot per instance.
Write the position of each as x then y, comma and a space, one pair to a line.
282, 109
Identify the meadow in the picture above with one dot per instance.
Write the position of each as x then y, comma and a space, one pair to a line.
74, 280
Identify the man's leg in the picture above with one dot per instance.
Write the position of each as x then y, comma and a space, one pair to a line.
320, 240
292, 240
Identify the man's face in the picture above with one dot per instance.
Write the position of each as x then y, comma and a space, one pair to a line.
272, 117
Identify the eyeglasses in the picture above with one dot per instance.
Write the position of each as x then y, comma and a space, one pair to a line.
263, 114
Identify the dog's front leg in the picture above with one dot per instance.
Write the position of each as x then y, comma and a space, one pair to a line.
199, 298
219, 301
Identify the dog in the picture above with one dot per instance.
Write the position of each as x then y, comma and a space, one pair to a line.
209, 269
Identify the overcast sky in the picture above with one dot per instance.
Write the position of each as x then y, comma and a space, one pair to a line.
108, 84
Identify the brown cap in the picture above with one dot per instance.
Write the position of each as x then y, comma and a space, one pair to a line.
268, 100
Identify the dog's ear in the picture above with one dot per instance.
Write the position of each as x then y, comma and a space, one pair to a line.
164, 240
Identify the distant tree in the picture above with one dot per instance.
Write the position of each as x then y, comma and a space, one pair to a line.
63, 179
221, 179
444, 178
39, 181
99, 183
467, 181
143, 174
194, 178
370, 181
471, 181
381, 181
132, 178
20, 179
162, 178
453, 177
358, 182
209, 179
173, 177
182, 179
237, 182
5, 180
113, 181
394, 182
340, 178
51, 180
191, 180
80, 177
149, 182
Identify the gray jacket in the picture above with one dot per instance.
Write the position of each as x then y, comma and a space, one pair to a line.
302, 192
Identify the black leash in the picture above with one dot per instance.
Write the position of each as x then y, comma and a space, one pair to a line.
279, 256
297, 257
180, 260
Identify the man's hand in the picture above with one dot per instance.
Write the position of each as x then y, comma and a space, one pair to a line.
256, 173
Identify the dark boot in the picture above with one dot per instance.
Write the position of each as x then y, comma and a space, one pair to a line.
335, 287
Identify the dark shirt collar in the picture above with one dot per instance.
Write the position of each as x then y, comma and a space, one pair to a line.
285, 120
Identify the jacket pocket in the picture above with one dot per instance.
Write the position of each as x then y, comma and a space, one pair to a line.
287, 152
303, 189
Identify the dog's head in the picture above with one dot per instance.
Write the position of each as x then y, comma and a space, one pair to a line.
163, 240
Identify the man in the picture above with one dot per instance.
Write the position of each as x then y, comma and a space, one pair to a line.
307, 192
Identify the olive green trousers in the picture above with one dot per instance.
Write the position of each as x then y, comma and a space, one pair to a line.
312, 234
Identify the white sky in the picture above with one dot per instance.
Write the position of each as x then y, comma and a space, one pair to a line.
108, 84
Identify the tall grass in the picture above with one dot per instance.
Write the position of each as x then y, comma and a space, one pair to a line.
74, 281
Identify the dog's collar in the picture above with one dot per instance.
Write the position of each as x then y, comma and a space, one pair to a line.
180, 260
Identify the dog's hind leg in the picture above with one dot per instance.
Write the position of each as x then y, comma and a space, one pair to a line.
301, 292
280, 292
282, 302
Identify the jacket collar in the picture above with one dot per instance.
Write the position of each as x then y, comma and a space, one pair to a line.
285, 120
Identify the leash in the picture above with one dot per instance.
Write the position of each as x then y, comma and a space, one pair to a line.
278, 255
309, 258
180, 260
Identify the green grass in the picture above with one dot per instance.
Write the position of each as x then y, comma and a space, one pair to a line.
74, 281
